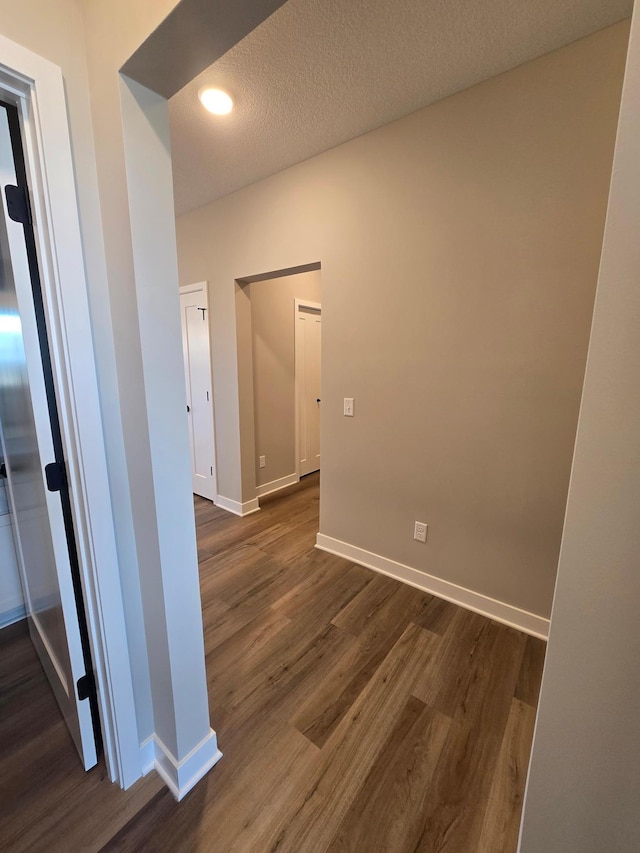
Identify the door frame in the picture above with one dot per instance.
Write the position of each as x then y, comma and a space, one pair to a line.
203, 287
297, 305
36, 87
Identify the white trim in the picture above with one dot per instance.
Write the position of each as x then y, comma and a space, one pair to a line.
276, 485
197, 287
147, 755
236, 507
180, 776
297, 305
38, 88
203, 288
14, 615
499, 611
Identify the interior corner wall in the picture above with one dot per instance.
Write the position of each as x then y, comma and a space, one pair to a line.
273, 347
459, 249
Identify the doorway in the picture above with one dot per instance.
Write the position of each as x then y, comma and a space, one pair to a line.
33, 461
270, 352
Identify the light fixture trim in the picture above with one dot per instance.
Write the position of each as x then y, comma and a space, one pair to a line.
216, 101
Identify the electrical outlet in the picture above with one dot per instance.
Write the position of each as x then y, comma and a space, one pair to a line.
348, 407
420, 531
263, 461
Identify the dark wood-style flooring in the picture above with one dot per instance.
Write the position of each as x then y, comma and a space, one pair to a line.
354, 713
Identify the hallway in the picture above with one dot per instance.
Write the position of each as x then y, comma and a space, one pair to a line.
354, 713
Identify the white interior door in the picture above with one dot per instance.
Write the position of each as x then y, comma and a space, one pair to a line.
30, 442
194, 309
307, 360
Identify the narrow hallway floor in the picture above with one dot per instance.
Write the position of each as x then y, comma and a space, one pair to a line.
354, 713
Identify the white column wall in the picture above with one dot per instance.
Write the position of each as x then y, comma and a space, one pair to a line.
173, 613
583, 793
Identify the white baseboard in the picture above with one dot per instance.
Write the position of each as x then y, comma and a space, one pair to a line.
276, 485
236, 507
179, 776
15, 614
524, 621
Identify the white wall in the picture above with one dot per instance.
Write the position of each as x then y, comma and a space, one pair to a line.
169, 578
584, 781
459, 250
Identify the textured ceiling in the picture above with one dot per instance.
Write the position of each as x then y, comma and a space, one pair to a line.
320, 72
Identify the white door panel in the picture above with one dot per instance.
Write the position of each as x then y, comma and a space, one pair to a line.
197, 373
45, 547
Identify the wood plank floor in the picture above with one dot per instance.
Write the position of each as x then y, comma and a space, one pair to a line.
354, 713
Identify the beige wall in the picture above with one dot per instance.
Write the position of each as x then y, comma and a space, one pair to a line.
459, 251
272, 333
584, 781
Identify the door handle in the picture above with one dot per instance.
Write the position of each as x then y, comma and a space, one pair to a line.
318, 400
3, 470
188, 409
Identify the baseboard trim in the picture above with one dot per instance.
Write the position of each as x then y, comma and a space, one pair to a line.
236, 507
507, 614
275, 485
8, 617
179, 776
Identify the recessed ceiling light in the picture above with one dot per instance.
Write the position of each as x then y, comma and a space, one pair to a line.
216, 101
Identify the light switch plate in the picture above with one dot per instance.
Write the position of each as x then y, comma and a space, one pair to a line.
348, 407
